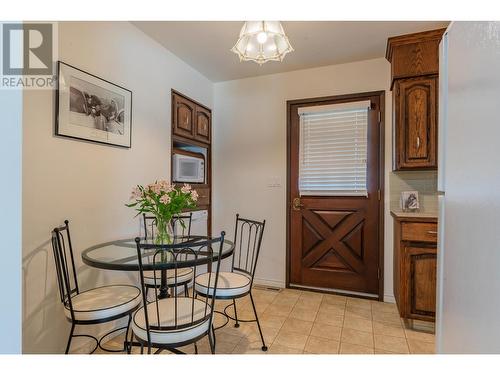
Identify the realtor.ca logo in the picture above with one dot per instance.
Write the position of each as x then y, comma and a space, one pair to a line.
28, 53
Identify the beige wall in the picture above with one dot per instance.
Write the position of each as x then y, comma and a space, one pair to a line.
425, 182
250, 150
89, 183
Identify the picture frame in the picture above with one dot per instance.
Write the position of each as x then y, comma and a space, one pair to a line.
409, 201
91, 108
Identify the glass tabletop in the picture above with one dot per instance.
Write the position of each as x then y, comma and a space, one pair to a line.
121, 255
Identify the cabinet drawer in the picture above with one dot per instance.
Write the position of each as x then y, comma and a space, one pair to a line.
422, 232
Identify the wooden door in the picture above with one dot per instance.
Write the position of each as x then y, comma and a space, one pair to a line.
203, 123
415, 104
183, 116
335, 242
420, 268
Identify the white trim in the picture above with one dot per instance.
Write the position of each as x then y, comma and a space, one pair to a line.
270, 283
389, 298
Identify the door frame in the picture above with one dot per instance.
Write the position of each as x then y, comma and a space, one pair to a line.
357, 96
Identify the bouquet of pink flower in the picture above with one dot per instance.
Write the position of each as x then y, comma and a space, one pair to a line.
163, 201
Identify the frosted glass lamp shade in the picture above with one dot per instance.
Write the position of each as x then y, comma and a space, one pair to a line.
262, 41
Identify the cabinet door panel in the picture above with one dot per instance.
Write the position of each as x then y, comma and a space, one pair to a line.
203, 122
415, 123
421, 268
184, 112
417, 120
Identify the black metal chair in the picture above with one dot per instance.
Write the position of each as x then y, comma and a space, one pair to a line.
180, 226
180, 320
238, 283
94, 306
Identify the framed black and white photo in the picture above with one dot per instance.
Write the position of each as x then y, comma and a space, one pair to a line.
409, 201
91, 108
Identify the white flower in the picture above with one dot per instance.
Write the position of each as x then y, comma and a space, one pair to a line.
194, 195
165, 199
163, 185
186, 188
136, 193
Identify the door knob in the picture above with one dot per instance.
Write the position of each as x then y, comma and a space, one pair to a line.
296, 204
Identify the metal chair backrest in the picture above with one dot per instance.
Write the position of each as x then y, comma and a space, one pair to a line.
65, 265
173, 257
181, 224
182, 221
247, 241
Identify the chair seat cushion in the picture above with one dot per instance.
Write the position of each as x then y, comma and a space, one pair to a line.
189, 311
229, 284
184, 275
104, 302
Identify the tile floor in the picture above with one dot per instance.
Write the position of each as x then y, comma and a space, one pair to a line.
295, 322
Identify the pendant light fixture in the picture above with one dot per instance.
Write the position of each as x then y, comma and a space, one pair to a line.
262, 41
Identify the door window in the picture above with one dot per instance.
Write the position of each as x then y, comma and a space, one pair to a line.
333, 149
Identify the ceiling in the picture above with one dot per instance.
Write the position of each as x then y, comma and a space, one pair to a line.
206, 45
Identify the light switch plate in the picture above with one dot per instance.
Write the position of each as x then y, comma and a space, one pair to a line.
274, 182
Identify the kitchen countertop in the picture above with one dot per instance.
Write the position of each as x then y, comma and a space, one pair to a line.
399, 214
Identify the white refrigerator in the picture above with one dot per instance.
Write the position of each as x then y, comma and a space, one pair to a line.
468, 295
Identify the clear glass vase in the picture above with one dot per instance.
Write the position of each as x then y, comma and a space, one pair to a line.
163, 232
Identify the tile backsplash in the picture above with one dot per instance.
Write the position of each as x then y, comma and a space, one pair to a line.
425, 182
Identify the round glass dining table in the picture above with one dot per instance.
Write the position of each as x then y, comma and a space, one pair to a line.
121, 255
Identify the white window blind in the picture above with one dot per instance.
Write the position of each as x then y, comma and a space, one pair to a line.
333, 149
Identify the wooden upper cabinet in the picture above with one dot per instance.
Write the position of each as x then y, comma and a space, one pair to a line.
183, 116
190, 120
203, 124
414, 55
414, 62
415, 120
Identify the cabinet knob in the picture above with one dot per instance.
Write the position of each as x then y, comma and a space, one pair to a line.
418, 142
432, 232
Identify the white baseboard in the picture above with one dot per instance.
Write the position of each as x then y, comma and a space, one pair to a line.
270, 283
389, 298
281, 284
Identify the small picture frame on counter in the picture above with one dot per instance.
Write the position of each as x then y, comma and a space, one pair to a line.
409, 201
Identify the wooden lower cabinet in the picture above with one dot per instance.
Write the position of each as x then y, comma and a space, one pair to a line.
419, 266
415, 268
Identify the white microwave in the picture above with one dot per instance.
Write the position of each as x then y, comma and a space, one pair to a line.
188, 168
